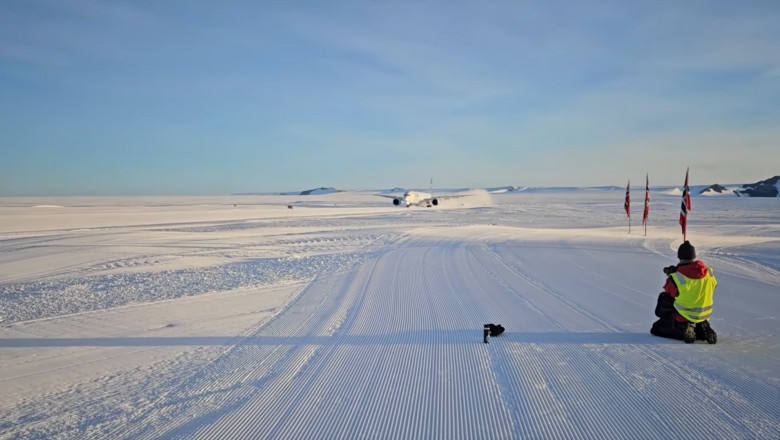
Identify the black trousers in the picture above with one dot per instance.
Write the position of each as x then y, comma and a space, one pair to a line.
667, 326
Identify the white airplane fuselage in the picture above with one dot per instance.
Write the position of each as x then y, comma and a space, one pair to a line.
416, 198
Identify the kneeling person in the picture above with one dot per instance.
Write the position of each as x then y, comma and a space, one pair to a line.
685, 305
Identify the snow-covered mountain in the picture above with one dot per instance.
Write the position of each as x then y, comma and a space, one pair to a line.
312, 192
717, 189
765, 188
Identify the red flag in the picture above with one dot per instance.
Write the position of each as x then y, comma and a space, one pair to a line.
647, 199
685, 207
627, 204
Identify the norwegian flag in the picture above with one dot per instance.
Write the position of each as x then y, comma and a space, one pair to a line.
627, 204
685, 206
647, 199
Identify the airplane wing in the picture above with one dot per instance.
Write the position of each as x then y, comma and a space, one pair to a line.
434, 200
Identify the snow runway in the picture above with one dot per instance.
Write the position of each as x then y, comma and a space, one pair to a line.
385, 341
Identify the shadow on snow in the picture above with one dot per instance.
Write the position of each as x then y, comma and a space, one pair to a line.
419, 337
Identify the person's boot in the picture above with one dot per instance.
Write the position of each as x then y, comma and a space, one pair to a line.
654, 330
689, 334
707, 332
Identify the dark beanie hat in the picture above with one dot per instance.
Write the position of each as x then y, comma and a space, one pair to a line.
686, 251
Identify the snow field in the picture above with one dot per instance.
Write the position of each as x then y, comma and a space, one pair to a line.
360, 325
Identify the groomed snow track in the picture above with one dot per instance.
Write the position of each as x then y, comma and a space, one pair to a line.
393, 350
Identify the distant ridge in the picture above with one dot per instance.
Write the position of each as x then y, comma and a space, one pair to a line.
500, 189
308, 192
315, 191
764, 188
719, 190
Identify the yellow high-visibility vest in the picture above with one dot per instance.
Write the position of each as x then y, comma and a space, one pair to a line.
694, 301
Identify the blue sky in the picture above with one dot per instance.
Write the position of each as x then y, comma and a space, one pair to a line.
189, 97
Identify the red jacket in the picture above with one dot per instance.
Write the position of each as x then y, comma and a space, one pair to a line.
695, 270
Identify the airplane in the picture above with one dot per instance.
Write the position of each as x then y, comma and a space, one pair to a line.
417, 198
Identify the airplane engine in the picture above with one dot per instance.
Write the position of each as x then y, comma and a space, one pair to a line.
396, 201
435, 202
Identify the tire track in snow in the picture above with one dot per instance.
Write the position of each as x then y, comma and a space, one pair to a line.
294, 366
404, 313
461, 307
308, 392
463, 270
397, 300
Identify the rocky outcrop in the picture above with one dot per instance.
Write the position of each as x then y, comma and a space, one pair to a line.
715, 188
765, 188
321, 190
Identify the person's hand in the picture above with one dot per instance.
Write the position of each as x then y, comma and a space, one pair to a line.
670, 270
